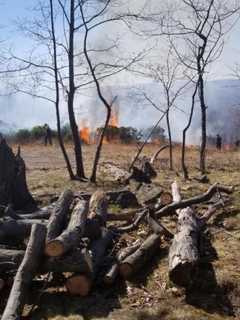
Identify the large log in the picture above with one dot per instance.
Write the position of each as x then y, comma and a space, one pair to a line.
71, 237
79, 260
184, 251
81, 284
113, 271
98, 206
12, 230
59, 216
25, 274
139, 258
13, 185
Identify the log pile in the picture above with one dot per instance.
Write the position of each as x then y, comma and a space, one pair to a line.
79, 238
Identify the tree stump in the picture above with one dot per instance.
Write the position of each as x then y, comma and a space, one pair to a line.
13, 185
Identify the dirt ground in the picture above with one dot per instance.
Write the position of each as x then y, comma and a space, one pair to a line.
150, 295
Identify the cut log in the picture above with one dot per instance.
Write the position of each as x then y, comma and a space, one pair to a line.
59, 215
81, 284
12, 231
25, 274
71, 237
164, 200
13, 185
127, 199
139, 258
184, 251
194, 200
79, 260
123, 216
113, 271
98, 207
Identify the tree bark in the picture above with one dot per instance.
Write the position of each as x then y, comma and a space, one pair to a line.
139, 258
59, 215
55, 62
184, 253
98, 207
184, 167
169, 137
25, 274
71, 95
80, 284
71, 237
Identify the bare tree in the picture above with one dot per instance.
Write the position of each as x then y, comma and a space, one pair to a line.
68, 64
171, 75
201, 31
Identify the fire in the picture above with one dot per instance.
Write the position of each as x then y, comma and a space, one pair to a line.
114, 122
85, 132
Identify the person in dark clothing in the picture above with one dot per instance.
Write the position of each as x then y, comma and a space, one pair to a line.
48, 135
219, 142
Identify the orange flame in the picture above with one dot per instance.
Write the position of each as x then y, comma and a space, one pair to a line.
114, 121
85, 133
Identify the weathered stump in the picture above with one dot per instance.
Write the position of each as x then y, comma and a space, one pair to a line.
13, 185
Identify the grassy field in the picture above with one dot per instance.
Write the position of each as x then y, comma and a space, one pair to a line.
150, 295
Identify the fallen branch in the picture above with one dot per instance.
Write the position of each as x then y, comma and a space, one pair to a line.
156, 154
194, 200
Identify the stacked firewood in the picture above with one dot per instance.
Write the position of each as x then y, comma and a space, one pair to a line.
74, 237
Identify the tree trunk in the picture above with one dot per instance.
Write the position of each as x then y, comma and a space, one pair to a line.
203, 125
25, 274
71, 95
60, 139
139, 258
71, 237
169, 139
81, 284
13, 185
184, 167
59, 215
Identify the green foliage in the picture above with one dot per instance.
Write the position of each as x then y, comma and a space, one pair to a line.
23, 135
37, 132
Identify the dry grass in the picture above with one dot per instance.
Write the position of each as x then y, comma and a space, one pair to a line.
216, 293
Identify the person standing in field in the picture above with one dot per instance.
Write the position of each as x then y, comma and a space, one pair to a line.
219, 142
47, 135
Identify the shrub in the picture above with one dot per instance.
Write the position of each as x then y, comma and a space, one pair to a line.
23, 135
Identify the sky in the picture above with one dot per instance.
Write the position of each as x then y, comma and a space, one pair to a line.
14, 109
